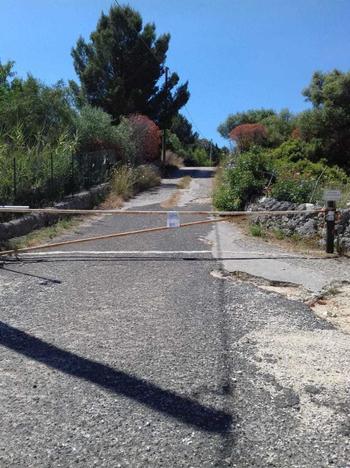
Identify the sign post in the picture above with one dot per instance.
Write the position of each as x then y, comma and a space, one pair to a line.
331, 197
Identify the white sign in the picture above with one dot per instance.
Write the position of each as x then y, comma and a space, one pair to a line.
332, 195
173, 219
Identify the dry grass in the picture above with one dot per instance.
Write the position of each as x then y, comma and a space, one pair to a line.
171, 201
126, 181
173, 159
44, 235
184, 182
294, 243
112, 201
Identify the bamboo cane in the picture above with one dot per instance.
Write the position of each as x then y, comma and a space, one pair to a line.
152, 212
108, 236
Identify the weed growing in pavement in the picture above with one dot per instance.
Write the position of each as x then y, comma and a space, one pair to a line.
256, 230
279, 234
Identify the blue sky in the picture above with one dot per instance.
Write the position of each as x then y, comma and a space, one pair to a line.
236, 54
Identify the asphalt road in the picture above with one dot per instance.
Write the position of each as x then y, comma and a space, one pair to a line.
151, 360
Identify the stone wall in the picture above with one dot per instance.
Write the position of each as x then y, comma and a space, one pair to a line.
306, 224
25, 224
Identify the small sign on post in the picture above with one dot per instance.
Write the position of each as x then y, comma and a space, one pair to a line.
330, 197
173, 219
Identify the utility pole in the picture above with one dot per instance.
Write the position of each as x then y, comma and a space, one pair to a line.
164, 135
211, 151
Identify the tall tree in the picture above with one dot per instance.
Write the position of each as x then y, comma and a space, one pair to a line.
183, 130
33, 106
327, 125
279, 126
120, 68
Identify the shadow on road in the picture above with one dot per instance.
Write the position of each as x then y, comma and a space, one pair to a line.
195, 173
164, 401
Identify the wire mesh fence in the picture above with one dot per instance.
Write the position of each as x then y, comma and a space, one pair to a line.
38, 181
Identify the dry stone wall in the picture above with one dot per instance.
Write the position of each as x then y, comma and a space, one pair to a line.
306, 224
25, 224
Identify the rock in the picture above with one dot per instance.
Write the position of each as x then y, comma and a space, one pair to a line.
287, 399
331, 314
308, 229
306, 224
313, 389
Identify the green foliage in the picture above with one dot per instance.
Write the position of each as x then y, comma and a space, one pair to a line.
94, 129
126, 144
279, 126
247, 179
279, 234
182, 128
298, 179
33, 167
118, 74
328, 123
293, 189
37, 108
249, 117
256, 230
292, 150
305, 153
199, 157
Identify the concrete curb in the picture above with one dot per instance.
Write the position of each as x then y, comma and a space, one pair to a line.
26, 224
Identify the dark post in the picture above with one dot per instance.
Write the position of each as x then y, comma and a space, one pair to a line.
14, 179
330, 226
166, 108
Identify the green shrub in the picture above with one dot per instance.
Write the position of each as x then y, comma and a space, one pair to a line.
279, 234
238, 185
295, 190
256, 230
95, 129
33, 167
125, 141
303, 180
198, 157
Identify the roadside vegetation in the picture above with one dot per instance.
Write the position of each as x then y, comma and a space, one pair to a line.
44, 235
55, 140
289, 157
127, 181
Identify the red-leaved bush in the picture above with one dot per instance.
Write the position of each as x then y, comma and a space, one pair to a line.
147, 136
246, 135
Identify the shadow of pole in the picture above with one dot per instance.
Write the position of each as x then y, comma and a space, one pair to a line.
179, 407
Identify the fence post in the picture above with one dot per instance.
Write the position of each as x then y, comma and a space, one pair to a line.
330, 226
14, 179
